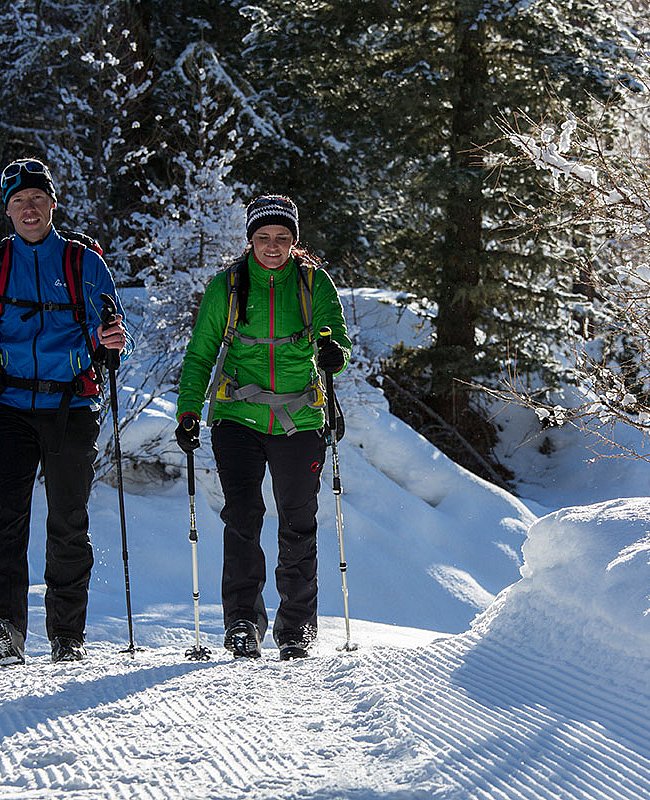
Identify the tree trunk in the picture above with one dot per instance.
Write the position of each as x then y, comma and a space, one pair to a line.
455, 349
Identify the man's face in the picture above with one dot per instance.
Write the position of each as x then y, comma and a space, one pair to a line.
30, 210
272, 245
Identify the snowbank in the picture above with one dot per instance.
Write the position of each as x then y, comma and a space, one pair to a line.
564, 466
584, 596
379, 319
428, 544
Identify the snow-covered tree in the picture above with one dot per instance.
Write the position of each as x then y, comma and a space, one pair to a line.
600, 192
191, 219
77, 85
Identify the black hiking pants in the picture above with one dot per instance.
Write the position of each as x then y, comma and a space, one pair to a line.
26, 440
295, 464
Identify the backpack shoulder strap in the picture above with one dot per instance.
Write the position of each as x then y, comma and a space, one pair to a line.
231, 323
6, 250
233, 304
228, 335
73, 256
306, 282
83, 238
73, 259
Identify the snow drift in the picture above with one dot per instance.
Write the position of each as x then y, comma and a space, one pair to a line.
547, 696
584, 596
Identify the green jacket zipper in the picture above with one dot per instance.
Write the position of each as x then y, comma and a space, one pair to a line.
271, 346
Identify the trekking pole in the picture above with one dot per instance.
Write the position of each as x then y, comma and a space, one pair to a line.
108, 315
196, 653
324, 336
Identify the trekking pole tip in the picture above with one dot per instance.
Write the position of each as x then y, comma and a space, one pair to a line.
198, 654
348, 647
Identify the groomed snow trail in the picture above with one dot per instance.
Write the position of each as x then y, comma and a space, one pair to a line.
462, 718
501, 725
156, 726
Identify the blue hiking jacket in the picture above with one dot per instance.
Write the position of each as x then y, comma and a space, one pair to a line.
50, 345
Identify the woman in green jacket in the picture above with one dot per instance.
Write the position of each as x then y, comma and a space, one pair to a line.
257, 322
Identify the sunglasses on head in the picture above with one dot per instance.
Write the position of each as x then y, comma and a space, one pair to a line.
14, 169
10, 178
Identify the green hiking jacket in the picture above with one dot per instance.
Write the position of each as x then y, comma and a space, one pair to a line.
273, 311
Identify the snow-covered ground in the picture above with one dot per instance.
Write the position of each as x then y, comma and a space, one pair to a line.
504, 643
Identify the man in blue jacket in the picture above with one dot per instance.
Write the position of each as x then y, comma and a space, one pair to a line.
49, 409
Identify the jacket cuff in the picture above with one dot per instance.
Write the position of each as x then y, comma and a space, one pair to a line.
185, 414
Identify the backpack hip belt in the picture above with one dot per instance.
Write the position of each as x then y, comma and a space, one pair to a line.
84, 385
281, 403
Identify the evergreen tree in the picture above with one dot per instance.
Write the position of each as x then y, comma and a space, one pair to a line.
411, 92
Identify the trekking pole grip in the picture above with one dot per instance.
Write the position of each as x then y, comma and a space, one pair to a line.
324, 335
108, 316
191, 485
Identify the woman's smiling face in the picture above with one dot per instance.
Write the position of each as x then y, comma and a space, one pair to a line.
272, 245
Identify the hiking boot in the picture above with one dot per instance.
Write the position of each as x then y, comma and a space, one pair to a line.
295, 643
291, 650
243, 639
12, 644
67, 649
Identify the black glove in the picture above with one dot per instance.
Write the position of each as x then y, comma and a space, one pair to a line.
187, 433
330, 356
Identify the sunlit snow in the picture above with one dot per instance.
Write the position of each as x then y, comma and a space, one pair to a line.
544, 694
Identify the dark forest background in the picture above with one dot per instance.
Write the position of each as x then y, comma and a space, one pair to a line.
393, 126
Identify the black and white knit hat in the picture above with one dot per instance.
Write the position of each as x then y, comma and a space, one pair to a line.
272, 209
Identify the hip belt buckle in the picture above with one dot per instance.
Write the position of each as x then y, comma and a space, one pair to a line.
47, 387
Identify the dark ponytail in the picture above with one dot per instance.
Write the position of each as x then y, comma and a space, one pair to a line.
243, 288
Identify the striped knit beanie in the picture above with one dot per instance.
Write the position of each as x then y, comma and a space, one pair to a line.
272, 209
